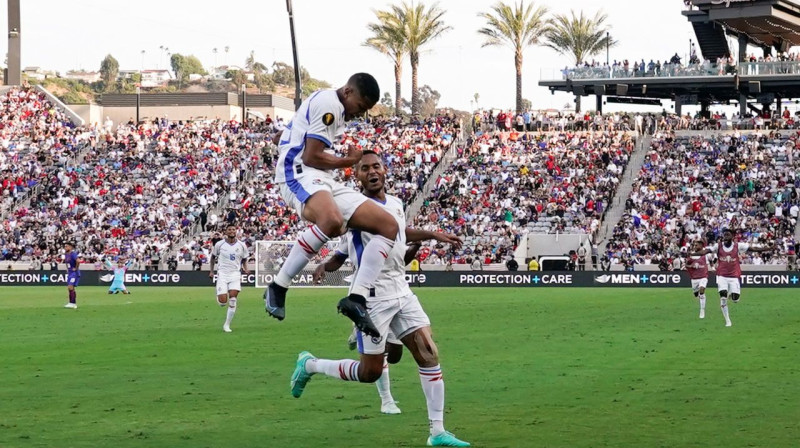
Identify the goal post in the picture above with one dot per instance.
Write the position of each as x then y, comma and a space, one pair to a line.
270, 256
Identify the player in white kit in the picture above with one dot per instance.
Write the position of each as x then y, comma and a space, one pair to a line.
392, 307
231, 257
304, 175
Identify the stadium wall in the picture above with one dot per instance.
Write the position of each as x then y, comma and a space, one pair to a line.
752, 279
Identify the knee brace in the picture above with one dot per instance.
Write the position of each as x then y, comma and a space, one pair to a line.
697, 293
222, 300
723, 293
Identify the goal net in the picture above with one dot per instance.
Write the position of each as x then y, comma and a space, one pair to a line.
270, 255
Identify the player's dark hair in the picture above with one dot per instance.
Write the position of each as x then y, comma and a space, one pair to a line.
366, 85
367, 152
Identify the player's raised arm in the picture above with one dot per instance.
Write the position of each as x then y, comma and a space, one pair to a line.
413, 235
411, 252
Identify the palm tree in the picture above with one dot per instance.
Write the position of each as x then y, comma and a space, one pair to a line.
388, 39
517, 26
420, 25
579, 36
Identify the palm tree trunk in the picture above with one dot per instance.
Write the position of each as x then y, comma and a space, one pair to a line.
398, 77
414, 57
577, 103
518, 66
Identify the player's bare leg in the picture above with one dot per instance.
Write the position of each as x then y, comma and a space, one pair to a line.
421, 345
321, 210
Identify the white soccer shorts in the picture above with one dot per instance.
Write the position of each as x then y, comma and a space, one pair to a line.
730, 284
226, 283
698, 283
399, 317
347, 199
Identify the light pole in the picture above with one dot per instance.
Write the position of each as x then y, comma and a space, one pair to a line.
298, 87
138, 103
691, 44
608, 43
244, 105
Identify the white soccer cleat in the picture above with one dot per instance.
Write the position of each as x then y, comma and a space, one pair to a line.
72, 306
702, 314
390, 408
227, 329
728, 324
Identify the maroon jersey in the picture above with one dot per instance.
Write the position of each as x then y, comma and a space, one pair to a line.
728, 261
697, 267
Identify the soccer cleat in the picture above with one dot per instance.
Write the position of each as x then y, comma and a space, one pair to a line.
702, 314
275, 301
72, 306
390, 408
352, 341
227, 329
445, 439
354, 307
728, 324
300, 376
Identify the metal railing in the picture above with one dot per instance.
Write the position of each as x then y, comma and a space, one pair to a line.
652, 70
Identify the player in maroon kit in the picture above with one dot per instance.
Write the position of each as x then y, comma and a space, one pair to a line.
729, 268
697, 266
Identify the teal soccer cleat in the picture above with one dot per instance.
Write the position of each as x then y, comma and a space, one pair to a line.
446, 439
301, 377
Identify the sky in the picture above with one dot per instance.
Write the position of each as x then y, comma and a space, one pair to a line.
61, 35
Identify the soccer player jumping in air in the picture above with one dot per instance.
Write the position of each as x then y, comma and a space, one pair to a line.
305, 179
392, 306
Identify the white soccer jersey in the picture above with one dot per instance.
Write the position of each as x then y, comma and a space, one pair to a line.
391, 282
321, 117
229, 257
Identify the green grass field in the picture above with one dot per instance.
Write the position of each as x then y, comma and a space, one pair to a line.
523, 368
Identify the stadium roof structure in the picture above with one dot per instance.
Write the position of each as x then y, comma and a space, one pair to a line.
764, 23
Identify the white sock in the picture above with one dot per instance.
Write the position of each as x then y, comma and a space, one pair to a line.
374, 257
307, 245
384, 385
723, 303
231, 311
702, 302
344, 369
433, 387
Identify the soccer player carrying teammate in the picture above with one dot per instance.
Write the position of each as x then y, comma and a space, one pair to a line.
232, 256
118, 285
305, 178
392, 306
697, 266
728, 268
73, 274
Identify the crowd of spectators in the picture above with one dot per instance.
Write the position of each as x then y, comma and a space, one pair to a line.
691, 188
35, 137
505, 182
138, 191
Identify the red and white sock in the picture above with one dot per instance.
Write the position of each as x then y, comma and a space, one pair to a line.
433, 388
307, 245
374, 257
344, 369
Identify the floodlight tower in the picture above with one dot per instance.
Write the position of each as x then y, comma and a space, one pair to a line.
13, 75
298, 88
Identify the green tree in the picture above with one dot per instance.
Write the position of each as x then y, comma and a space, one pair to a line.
428, 100
517, 26
183, 66
387, 37
282, 73
419, 25
387, 100
579, 36
109, 69
237, 77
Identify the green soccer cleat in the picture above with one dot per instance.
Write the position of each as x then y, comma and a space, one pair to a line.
446, 439
301, 377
